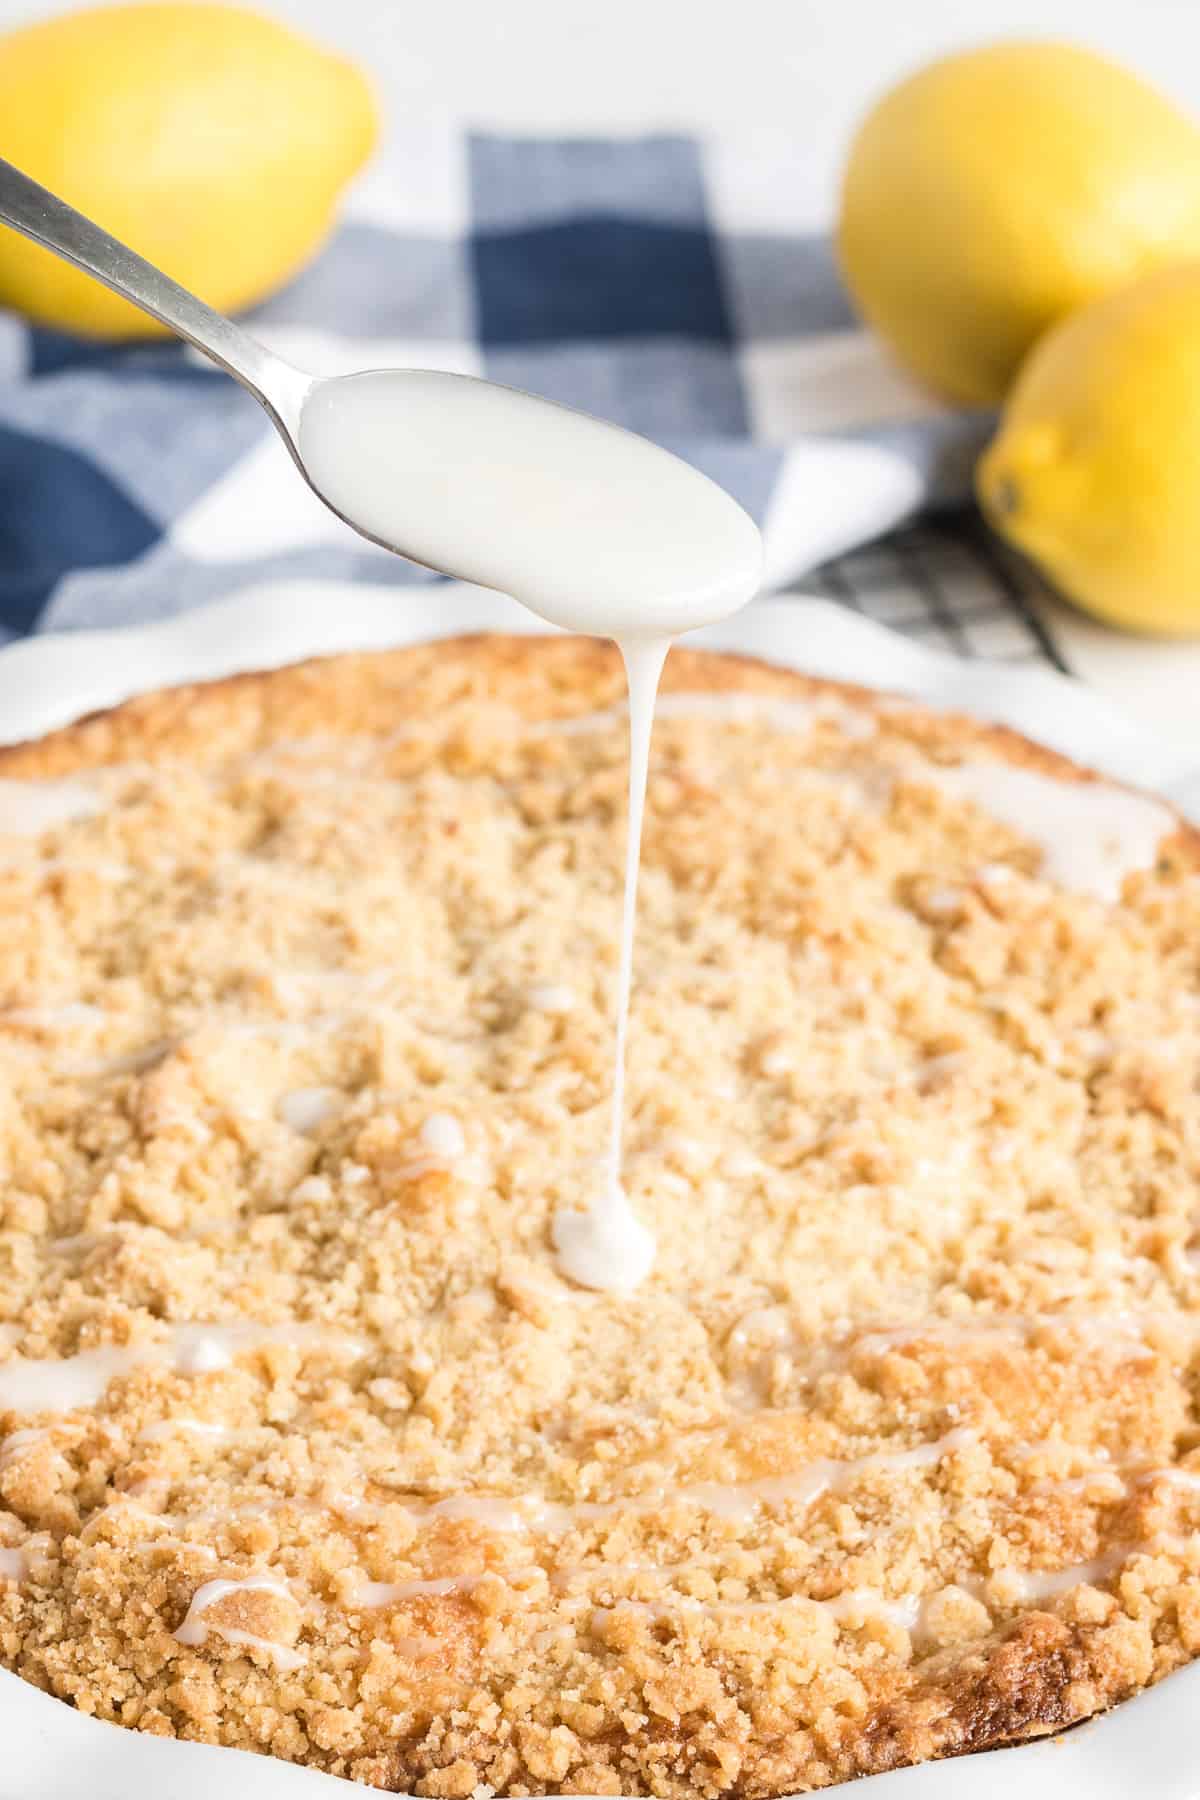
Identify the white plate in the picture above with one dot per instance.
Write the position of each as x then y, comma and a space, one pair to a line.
1145, 1748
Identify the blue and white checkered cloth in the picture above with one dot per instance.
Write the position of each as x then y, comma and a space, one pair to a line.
678, 286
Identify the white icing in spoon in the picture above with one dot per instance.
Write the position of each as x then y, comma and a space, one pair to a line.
590, 526
27, 808
70, 1016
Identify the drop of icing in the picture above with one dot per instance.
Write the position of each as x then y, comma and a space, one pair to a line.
68, 1383
27, 808
443, 1135
168, 1428
63, 1384
605, 1247
550, 997
1091, 835
196, 1626
203, 1355
304, 1109
1033, 1586
68, 1016
17, 1442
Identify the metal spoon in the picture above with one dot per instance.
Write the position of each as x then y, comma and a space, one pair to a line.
278, 387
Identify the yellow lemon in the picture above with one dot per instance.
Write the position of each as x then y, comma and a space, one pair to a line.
1095, 471
213, 141
998, 190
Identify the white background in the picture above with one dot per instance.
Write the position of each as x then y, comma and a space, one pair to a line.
804, 65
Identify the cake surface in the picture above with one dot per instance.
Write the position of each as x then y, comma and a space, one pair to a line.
305, 1036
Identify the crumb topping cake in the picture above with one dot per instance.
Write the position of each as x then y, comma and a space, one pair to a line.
308, 1444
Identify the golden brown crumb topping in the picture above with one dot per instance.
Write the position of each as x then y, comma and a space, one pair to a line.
305, 1036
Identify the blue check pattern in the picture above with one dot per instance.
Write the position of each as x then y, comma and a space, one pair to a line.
664, 282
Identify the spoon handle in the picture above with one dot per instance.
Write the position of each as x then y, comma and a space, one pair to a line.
49, 221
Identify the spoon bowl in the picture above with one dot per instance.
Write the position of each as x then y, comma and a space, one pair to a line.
592, 527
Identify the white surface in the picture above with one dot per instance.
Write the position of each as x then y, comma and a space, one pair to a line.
1146, 1747
829, 498
1156, 682
805, 66
799, 71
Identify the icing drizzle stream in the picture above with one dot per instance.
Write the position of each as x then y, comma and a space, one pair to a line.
607, 1246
